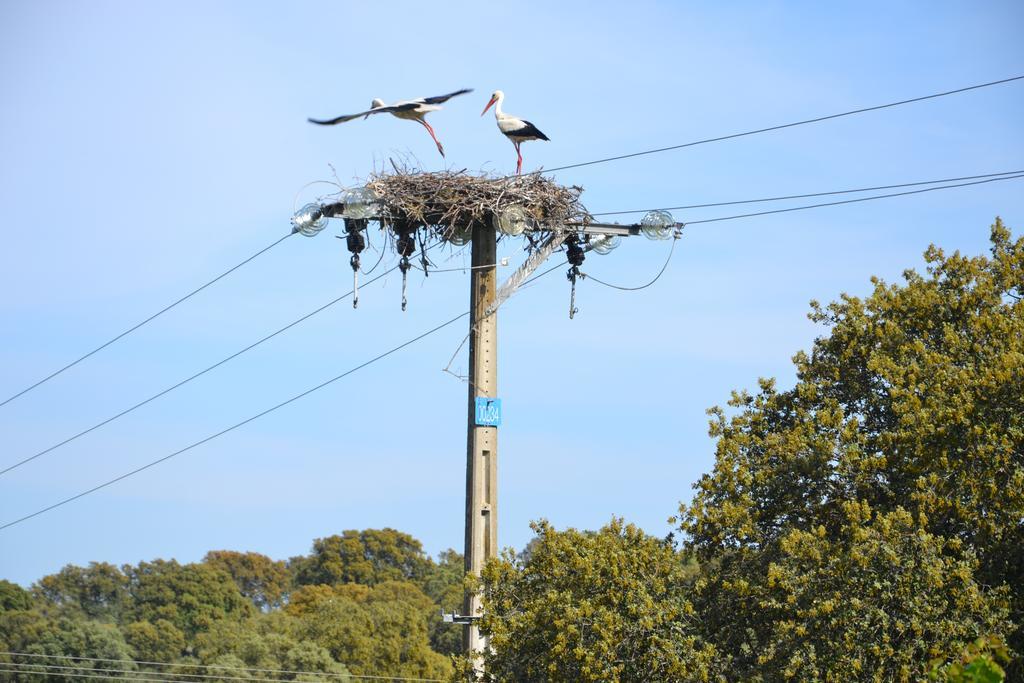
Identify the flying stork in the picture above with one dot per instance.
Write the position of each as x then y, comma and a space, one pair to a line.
515, 129
410, 110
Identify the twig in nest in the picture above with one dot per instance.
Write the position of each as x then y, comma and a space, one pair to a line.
449, 202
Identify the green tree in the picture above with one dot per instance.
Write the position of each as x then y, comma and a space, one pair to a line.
13, 597
63, 639
366, 557
373, 630
262, 580
192, 597
159, 641
610, 605
872, 602
443, 583
310, 657
265, 641
98, 590
914, 401
374, 556
979, 663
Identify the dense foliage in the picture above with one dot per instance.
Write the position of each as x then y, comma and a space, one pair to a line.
872, 517
363, 603
592, 606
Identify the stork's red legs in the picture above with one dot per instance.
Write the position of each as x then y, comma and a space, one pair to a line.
440, 148
519, 160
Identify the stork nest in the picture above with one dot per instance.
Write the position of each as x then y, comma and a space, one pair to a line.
451, 202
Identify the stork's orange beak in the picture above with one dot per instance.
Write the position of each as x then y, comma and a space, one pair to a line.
493, 100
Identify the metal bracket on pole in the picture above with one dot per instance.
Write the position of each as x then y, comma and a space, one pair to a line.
589, 228
356, 242
454, 618
405, 246
575, 255
424, 261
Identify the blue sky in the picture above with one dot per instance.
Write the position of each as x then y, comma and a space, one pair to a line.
148, 146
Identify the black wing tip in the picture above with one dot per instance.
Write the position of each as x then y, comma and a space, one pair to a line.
534, 131
440, 99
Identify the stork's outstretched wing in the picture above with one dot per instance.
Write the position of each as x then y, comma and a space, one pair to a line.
444, 98
349, 117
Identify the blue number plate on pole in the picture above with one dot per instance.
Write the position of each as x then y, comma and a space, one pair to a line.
488, 412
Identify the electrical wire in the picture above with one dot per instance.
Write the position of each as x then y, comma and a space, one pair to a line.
191, 665
657, 277
986, 179
798, 208
149, 319
850, 201
779, 127
550, 170
234, 426
109, 661
14, 668
846, 201
805, 196
383, 250
448, 368
146, 674
436, 329
464, 269
196, 666
537, 277
196, 375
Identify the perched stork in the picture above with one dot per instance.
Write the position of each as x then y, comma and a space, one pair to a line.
410, 110
515, 129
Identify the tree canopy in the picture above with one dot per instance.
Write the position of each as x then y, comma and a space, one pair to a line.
258, 578
873, 514
592, 606
376, 613
365, 557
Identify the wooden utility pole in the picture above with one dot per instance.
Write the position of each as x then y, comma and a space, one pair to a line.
482, 441
484, 409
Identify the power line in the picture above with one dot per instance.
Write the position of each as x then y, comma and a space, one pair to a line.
195, 376
447, 368
149, 319
22, 668
796, 208
537, 277
188, 665
219, 667
146, 675
235, 426
805, 196
657, 277
557, 168
695, 222
780, 127
850, 201
987, 178
463, 269
256, 417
